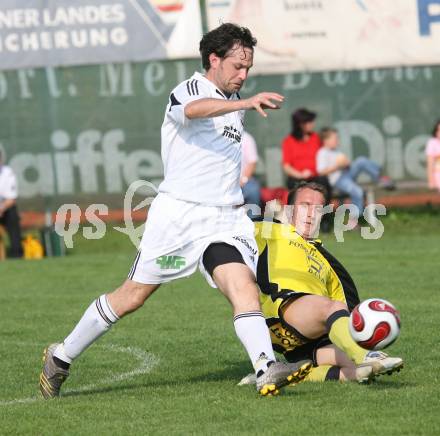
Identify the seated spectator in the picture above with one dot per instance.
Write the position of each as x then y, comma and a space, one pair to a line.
342, 173
249, 184
299, 152
433, 158
299, 157
8, 210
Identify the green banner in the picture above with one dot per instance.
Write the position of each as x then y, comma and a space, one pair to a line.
83, 134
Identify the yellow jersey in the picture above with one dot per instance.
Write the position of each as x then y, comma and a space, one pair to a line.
289, 266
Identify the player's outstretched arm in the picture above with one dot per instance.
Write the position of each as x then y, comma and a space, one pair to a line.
213, 107
264, 100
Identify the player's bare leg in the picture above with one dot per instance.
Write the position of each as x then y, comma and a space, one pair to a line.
332, 364
130, 297
97, 320
237, 283
314, 316
333, 356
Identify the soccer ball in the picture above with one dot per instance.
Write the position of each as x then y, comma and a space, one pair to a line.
374, 324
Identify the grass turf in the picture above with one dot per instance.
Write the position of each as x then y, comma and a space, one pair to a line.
172, 367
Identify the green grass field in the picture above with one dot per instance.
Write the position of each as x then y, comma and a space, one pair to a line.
172, 367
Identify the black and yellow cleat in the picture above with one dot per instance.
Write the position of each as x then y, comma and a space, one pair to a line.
269, 390
281, 374
52, 376
303, 370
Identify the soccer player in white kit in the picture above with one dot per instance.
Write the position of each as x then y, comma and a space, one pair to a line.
197, 219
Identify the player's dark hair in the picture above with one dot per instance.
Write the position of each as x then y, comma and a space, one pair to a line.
326, 132
305, 185
436, 127
299, 118
222, 39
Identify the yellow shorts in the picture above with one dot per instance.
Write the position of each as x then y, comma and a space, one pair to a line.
289, 341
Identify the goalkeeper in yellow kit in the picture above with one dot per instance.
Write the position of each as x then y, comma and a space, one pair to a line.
306, 296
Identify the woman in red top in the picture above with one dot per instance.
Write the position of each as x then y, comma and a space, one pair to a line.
299, 152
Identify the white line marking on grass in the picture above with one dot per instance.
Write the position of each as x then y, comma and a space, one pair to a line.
19, 401
147, 361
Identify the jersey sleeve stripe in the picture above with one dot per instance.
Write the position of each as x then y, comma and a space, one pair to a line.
194, 87
187, 87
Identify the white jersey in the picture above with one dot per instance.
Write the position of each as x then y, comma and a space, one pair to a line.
8, 183
201, 157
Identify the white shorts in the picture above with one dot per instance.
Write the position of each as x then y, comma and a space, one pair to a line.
177, 234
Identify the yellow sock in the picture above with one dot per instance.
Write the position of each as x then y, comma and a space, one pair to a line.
339, 334
319, 373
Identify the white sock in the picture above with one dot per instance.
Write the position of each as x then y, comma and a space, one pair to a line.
253, 333
97, 319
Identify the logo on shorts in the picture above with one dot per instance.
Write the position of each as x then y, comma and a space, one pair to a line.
171, 262
246, 244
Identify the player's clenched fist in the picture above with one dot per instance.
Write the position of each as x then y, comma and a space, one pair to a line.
264, 100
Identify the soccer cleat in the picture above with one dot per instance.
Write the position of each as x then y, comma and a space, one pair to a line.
251, 379
295, 366
364, 373
281, 374
52, 376
381, 363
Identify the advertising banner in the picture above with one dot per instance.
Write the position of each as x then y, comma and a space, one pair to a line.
60, 33
322, 35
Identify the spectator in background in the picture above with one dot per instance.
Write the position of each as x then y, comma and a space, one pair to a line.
8, 210
299, 157
342, 173
433, 158
299, 152
249, 184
